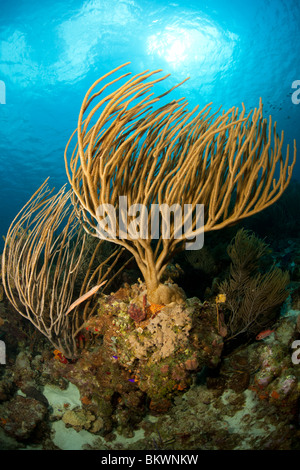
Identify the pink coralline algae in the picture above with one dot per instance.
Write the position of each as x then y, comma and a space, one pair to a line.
136, 313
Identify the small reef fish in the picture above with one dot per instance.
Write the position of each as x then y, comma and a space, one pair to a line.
264, 334
84, 297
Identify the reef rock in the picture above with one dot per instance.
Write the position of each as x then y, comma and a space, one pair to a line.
20, 416
162, 347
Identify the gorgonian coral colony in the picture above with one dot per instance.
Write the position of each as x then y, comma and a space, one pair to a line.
231, 163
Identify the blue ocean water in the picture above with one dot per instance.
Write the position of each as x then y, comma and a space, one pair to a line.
51, 52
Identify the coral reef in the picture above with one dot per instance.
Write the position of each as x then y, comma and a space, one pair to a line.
161, 347
252, 297
147, 366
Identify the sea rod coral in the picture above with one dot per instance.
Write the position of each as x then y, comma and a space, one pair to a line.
42, 263
125, 147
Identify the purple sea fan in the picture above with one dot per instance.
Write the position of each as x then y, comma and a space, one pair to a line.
136, 313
